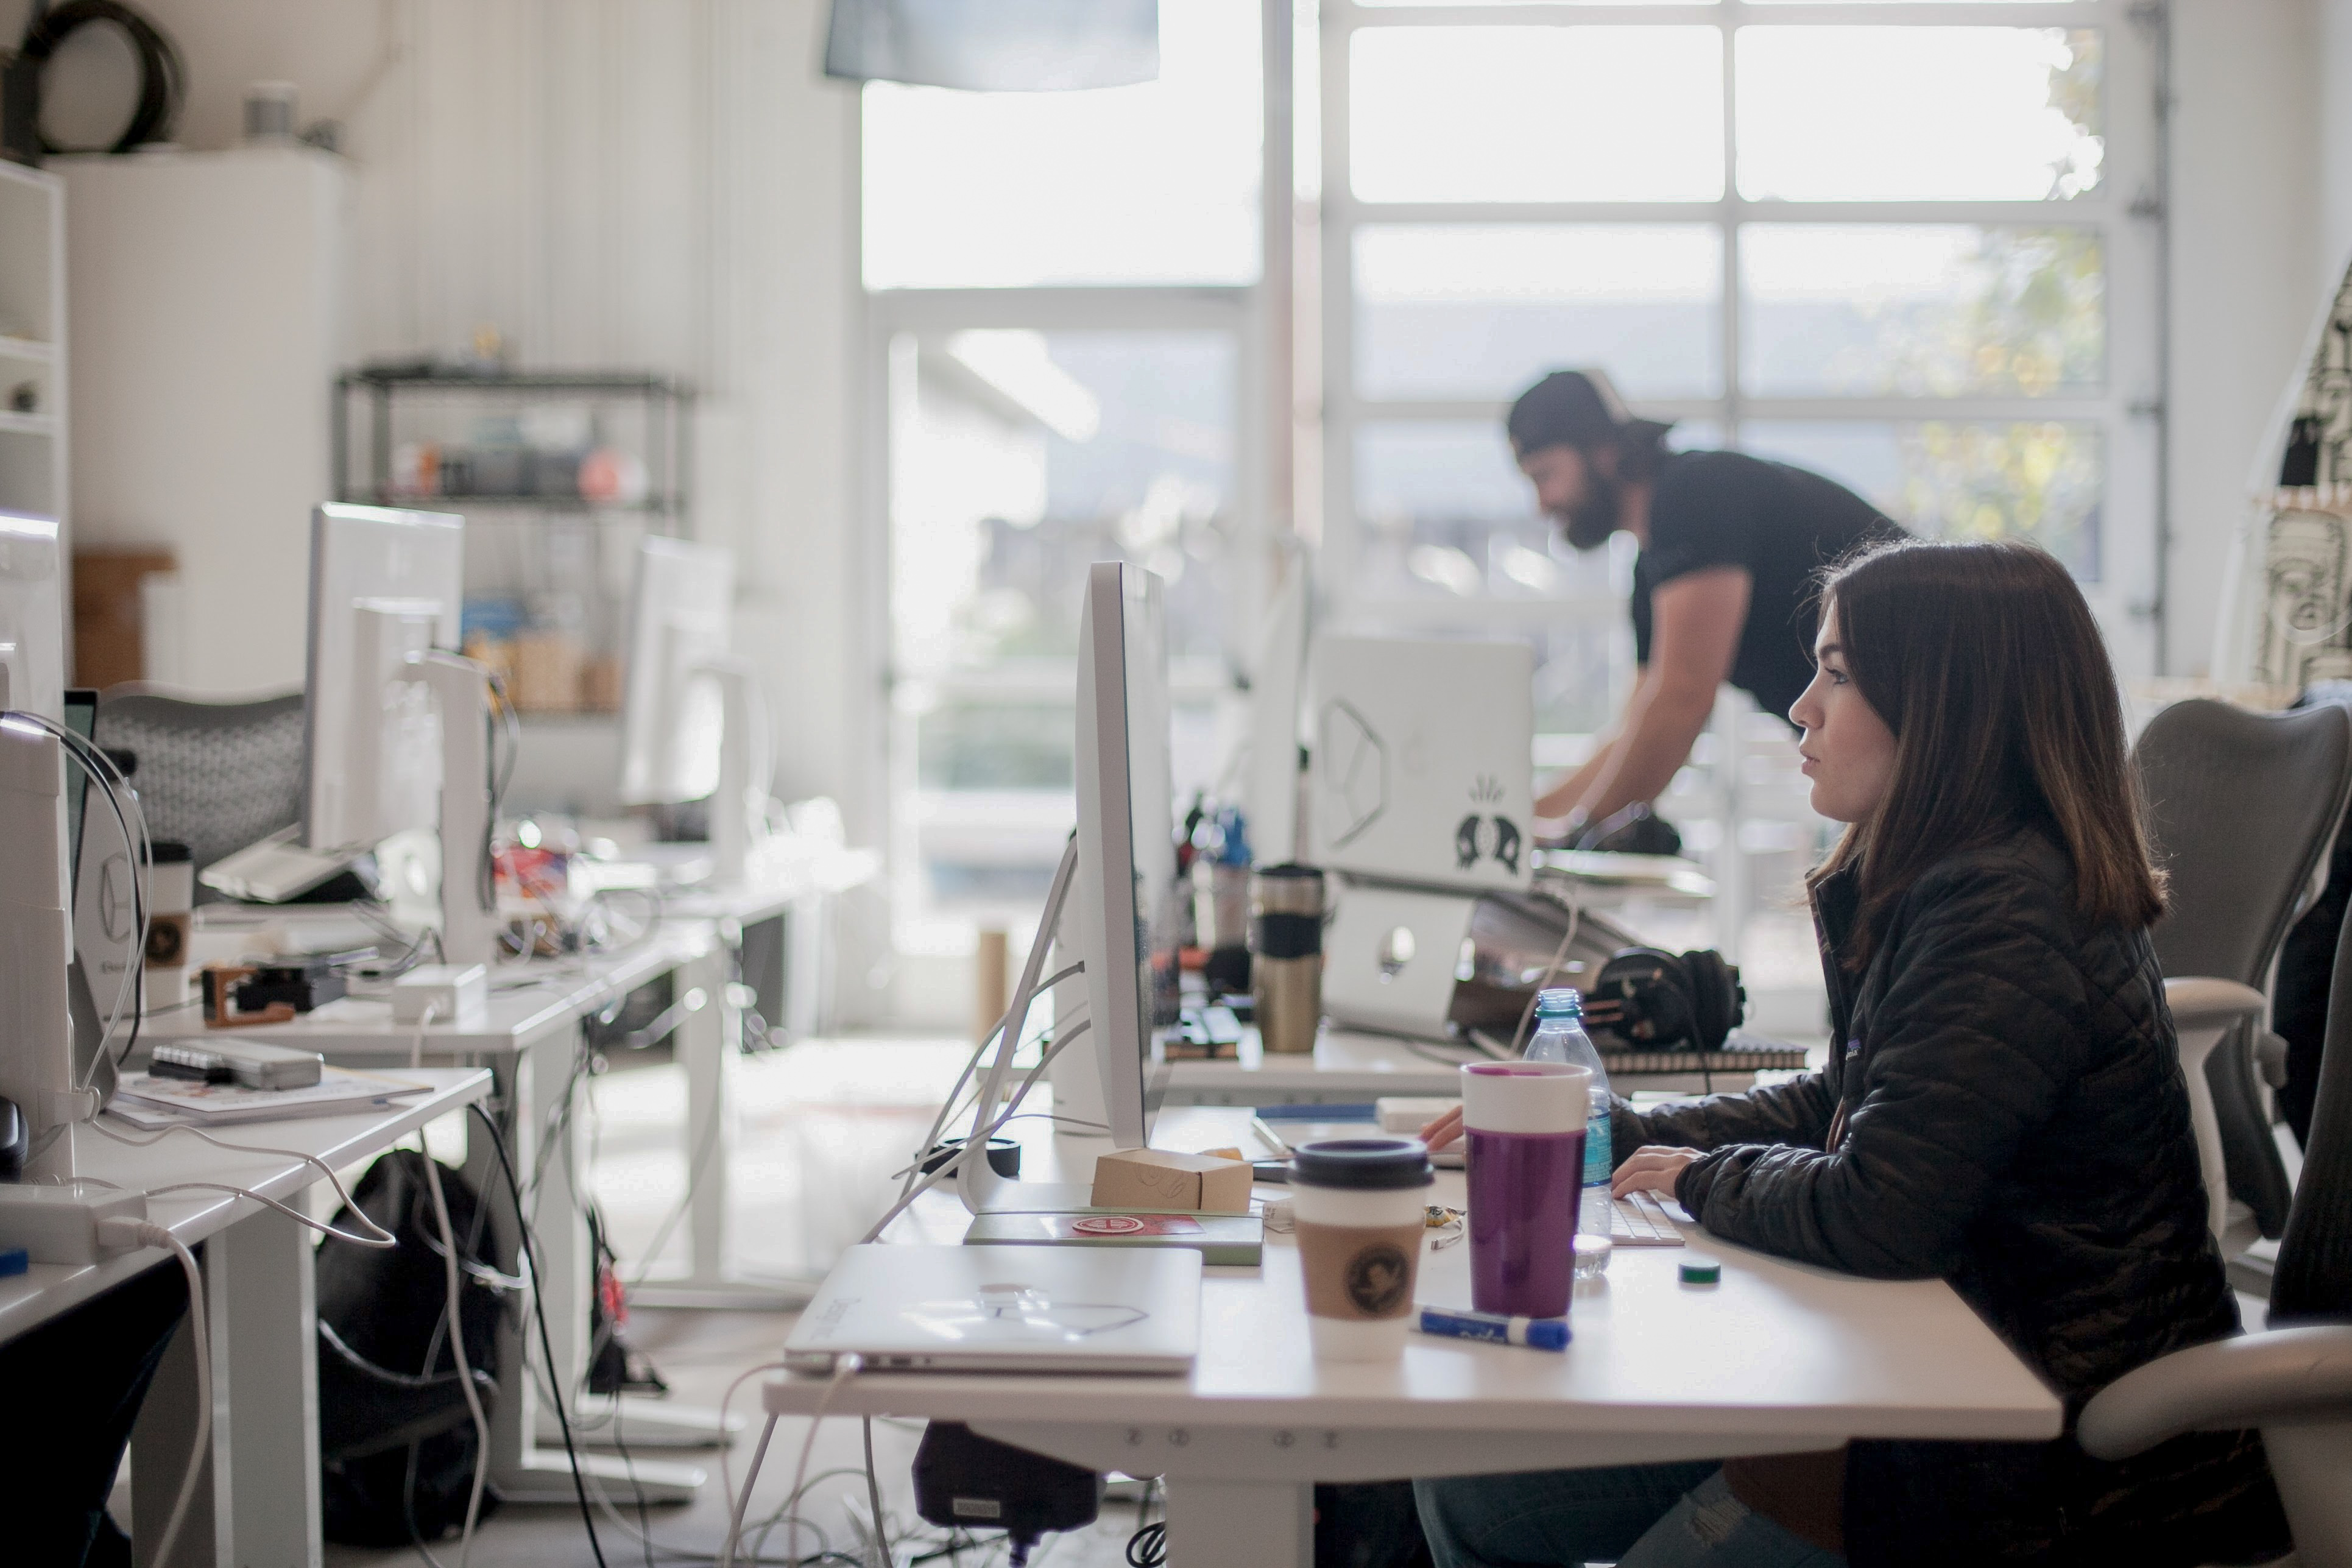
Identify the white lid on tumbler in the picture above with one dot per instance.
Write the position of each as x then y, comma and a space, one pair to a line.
1526, 1097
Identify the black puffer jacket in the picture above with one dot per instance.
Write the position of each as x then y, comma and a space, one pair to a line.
2015, 1121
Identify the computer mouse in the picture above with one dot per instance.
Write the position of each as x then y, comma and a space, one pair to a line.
12, 1140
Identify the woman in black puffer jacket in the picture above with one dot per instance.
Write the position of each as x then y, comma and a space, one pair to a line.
2003, 1108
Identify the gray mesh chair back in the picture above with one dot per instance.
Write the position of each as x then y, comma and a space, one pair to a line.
2312, 1280
2242, 806
217, 776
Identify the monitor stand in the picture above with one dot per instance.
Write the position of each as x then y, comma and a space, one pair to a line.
739, 806
461, 690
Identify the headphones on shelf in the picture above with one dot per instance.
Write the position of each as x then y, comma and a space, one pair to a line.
1653, 999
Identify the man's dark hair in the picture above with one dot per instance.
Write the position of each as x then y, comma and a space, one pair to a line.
1581, 409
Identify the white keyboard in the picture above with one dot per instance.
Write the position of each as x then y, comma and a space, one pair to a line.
1636, 1220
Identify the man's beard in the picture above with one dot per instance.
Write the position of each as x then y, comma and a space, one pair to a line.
1591, 521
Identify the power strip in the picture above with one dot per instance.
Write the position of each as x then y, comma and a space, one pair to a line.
59, 1224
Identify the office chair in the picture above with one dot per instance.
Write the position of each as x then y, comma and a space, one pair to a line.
215, 776
2241, 807
2294, 1380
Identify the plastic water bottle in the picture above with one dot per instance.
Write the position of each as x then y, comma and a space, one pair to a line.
1560, 1038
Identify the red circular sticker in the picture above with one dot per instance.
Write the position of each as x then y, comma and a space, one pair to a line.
1108, 1225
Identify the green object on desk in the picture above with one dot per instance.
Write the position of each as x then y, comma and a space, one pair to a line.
1702, 1271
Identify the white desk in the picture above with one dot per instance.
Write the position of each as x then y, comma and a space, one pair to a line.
262, 1505
1780, 1357
528, 1035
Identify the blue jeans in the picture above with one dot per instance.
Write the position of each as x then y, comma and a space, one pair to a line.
1637, 1515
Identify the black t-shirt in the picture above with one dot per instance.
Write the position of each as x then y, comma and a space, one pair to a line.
1783, 524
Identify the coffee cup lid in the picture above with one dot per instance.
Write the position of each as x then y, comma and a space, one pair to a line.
1364, 1163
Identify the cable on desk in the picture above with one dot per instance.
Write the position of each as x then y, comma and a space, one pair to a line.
1148, 1547
538, 1310
381, 1238
980, 1136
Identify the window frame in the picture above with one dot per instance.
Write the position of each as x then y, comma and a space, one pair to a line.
2123, 209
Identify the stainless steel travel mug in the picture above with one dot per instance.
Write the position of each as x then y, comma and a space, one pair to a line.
1286, 955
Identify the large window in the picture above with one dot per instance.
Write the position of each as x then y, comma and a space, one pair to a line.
1896, 242
1900, 241
1060, 290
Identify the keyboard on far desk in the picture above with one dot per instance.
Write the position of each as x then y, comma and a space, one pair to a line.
1636, 1220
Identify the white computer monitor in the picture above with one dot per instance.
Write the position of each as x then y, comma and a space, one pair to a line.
1424, 768
673, 722
32, 617
386, 586
1122, 915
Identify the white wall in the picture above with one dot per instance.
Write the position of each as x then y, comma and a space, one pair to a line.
2247, 224
620, 183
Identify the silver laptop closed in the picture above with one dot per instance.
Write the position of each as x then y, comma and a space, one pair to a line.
1004, 1308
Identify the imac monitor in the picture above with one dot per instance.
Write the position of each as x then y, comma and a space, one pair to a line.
672, 705
32, 618
1424, 768
1127, 841
384, 585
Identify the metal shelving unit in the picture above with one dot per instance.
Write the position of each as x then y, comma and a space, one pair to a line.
545, 564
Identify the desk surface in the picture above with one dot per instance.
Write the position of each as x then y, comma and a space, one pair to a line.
528, 1001
31, 1298
1779, 1356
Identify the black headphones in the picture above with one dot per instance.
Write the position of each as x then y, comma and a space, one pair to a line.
1654, 1000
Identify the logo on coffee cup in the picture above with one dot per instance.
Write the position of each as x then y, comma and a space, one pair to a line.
1378, 1279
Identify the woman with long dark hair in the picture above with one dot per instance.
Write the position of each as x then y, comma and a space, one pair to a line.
2003, 1108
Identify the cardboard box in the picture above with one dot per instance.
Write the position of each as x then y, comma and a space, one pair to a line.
1158, 1179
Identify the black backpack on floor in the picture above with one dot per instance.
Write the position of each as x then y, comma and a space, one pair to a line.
396, 1438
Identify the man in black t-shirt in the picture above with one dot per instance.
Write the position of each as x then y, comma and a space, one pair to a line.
1722, 589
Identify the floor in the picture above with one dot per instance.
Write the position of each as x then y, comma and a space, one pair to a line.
818, 1125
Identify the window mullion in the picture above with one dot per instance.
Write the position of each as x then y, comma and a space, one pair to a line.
1732, 14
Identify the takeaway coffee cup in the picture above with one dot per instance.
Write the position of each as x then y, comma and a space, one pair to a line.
1525, 1126
1358, 1204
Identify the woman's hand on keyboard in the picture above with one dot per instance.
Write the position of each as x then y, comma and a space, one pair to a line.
1437, 1135
1651, 1168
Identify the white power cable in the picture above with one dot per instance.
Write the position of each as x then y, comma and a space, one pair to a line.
381, 1238
971, 1065
146, 1233
980, 1136
844, 1367
458, 1345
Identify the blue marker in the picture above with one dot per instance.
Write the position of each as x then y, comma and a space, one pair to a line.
1541, 1334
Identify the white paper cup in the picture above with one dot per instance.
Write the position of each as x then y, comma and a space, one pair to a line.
1359, 1255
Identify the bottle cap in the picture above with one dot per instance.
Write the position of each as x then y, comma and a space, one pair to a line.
1561, 1001
1549, 1334
1702, 1271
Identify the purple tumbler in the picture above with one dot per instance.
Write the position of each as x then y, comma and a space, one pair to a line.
1525, 1122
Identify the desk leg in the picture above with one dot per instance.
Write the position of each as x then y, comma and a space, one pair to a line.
709, 1044
161, 1439
534, 1086
1241, 1524
258, 1505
